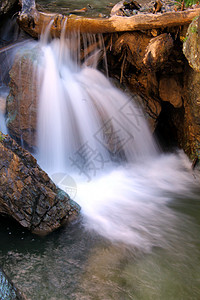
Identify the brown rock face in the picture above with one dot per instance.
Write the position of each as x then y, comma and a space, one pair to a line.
22, 100
27, 193
158, 51
170, 90
191, 129
135, 44
147, 85
191, 45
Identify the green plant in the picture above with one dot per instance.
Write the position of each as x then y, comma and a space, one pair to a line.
1, 136
183, 39
187, 3
193, 29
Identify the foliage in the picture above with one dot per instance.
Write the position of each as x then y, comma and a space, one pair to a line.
193, 29
183, 39
187, 3
1, 136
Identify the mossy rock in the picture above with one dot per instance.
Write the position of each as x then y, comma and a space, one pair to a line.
191, 45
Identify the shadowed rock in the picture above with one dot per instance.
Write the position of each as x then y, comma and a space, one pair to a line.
7, 5
170, 90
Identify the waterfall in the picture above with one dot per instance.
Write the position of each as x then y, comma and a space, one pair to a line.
83, 117
94, 141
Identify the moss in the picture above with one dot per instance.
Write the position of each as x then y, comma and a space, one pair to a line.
62, 195
75, 206
2, 137
193, 29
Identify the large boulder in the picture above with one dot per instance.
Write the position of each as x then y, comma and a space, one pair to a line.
191, 44
28, 195
158, 51
191, 128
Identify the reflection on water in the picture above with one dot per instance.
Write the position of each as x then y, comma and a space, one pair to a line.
91, 8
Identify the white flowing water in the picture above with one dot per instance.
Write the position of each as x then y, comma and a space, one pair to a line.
97, 136
3, 95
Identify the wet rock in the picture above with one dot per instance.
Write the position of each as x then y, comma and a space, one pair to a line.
8, 290
21, 104
28, 195
170, 90
147, 87
158, 51
131, 48
2, 105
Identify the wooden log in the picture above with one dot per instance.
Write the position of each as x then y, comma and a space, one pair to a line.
35, 22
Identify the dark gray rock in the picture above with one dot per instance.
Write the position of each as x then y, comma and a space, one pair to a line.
7, 5
7, 289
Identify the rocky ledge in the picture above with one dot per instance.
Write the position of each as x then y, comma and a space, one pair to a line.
28, 195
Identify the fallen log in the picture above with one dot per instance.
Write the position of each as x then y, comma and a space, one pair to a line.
34, 22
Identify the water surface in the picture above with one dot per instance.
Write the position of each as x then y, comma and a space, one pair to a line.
91, 8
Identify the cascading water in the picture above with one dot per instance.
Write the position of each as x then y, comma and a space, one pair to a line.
3, 94
91, 130
79, 110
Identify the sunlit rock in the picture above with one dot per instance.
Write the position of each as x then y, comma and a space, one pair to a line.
135, 44
191, 134
191, 46
158, 51
148, 85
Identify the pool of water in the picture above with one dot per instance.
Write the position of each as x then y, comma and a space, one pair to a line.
73, 263
91, 8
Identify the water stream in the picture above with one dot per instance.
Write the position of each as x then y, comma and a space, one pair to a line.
138, 235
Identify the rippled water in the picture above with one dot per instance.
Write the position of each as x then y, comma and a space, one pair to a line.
75, 264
